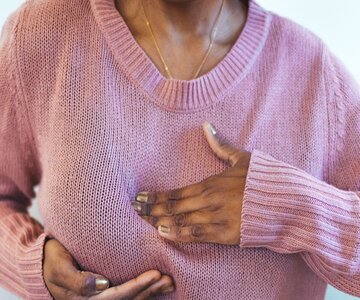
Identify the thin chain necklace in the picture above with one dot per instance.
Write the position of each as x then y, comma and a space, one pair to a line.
212, 37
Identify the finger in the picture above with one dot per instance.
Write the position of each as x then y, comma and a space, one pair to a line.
62, 270
186, 219
151, 197
82, 283
191, 234
146, 202
210, 199
172, 207
191, 198
163, 286
65, 274
220, 146
175, 194
131, 288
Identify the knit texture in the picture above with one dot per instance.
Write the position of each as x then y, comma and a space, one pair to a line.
87, 116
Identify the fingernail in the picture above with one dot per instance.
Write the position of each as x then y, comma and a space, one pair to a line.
169, 290
136, 206
164, 229
101, 284
210, 128
142, 197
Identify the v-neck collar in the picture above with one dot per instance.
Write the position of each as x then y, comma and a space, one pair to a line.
178, 94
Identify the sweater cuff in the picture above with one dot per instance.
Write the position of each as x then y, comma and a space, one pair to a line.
30, 263
276, 211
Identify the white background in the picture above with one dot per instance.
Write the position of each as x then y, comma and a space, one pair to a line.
337, 22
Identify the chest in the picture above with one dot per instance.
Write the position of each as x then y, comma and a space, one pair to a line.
97, 154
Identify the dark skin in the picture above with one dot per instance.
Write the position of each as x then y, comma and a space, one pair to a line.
182, 30
208, 211
65, 281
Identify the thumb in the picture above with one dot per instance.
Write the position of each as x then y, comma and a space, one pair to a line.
65, 273
82, 283
87, 284
220, 146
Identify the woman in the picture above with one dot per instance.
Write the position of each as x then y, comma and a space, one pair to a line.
102, 106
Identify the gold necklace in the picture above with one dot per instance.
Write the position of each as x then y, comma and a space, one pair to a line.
212, 36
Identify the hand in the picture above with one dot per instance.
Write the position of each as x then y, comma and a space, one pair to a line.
65, 281
208, 211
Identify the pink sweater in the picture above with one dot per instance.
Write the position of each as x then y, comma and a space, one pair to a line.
85, 114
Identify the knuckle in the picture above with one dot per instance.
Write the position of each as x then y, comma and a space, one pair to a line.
152, 198
180, 220
154, 221
145, 209
171, 207
197, 231
86, 285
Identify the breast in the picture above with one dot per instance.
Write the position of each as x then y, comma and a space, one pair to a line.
105, 236
91, 215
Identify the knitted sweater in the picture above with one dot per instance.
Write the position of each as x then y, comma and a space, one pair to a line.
87, 116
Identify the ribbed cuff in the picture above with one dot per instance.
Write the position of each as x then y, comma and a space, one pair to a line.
287, 210
272, 212
30, 263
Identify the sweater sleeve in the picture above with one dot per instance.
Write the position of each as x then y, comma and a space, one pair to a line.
288, 211
21, 236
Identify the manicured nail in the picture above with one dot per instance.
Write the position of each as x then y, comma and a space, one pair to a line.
164, 229
142, 197
136, 206
101, 284
210, 128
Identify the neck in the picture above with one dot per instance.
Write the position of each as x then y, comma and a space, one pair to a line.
184, 19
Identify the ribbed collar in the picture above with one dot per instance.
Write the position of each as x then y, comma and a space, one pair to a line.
178, 94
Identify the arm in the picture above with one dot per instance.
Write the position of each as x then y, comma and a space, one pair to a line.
288, 211
21, 237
